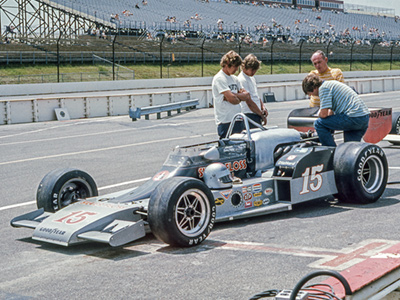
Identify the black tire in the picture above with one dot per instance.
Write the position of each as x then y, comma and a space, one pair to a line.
361, 172
181, 211
395, 123
62, 187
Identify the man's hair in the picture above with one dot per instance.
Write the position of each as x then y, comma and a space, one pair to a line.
311, 82
251, 62
319, 52
231, 59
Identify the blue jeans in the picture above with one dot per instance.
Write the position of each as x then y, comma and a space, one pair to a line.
256, 118
353, 128
222, 128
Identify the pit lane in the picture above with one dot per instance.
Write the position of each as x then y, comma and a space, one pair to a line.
238, 259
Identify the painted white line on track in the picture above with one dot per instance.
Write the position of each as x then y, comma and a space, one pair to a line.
100, 189
103, 149
91, 134
123, 183
49, 128
17, 205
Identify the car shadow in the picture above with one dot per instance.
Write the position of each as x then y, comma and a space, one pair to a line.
99, 250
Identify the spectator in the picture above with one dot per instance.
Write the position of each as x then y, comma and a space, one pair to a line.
258, 113
320, 62
228, 94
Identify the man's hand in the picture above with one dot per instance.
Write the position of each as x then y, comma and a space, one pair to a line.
264, 119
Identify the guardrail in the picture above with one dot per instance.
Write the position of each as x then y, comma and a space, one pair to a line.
136, 112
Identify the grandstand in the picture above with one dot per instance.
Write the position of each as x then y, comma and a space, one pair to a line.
189, 31
211, 17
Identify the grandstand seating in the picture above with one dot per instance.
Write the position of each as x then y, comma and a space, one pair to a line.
211, 42
234, 16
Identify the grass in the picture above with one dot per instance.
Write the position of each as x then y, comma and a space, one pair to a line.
151, 71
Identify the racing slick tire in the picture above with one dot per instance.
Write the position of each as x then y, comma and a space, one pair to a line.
361, 172
395, 123
62, 187
181, 211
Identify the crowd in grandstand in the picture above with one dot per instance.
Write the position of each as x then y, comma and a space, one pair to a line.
319, 28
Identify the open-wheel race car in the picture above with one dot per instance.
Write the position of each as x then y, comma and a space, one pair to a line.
256, 172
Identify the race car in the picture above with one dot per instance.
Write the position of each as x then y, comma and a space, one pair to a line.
256, 172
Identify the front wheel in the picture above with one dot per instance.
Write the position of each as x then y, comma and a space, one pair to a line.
181, 211
361, 172
62, 187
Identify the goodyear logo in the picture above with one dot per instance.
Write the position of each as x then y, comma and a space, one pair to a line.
219, 201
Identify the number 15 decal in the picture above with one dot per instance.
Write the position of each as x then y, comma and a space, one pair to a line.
312, 179
75, 217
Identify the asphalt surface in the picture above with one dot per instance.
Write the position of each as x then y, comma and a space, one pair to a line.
238, 259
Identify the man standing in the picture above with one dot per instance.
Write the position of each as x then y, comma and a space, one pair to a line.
320, 62
341, 109
258, 113
228, 94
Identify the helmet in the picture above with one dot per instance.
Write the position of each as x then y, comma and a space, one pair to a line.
217, 176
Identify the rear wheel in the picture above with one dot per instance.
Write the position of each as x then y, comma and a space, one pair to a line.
361, 172
62, 187
395, 127
181, 211
395, 123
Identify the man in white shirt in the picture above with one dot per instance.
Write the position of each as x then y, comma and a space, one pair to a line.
258, 113
228, 94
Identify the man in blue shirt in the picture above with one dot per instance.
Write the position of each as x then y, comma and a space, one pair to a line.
341, 109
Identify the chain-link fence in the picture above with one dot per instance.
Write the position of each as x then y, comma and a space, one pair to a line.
113, 53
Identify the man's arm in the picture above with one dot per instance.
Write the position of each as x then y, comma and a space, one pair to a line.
231, 97
325, 112
236, 98
260, 112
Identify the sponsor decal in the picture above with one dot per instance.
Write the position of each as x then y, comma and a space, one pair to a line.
201, 172
381, 113
257, 187
247, 196
246, 189
102, 204
248, 204
52, 231
219, 201
258, 203
269, 191
266, 201
301, 150
231, 166
161, 176
236, 165
291, 157
257, 194
226, 194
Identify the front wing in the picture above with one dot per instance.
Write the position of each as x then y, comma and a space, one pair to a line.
87, 220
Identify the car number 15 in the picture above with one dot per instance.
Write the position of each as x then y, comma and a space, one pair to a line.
312, 180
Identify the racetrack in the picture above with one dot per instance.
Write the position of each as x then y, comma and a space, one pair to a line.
239, 258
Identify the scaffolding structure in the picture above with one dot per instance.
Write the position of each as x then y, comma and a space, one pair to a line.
45, 20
